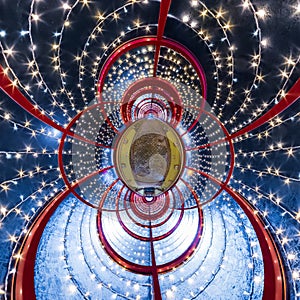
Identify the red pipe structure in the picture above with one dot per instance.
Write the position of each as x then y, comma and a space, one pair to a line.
142, 217
274, 281
148, 239
151, 86
148, 270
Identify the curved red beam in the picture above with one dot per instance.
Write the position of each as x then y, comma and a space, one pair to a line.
232, 155
60, 158
64, 175
274, 274
292, 96
22, 286
13, 92
151, 40
275, 286
227, 137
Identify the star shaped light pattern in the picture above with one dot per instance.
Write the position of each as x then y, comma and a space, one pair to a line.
149, 149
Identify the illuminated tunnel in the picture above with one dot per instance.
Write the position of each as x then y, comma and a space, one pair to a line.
149, 149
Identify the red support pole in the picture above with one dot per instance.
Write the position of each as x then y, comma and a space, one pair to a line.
156, 285
163, 15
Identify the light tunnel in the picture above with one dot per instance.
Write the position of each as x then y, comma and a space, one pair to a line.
149, 150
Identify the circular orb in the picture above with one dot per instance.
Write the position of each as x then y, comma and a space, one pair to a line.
149, 157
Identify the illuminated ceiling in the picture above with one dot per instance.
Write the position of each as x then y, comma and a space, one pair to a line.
202, 205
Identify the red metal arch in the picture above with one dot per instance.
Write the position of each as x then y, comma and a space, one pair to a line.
152, 40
